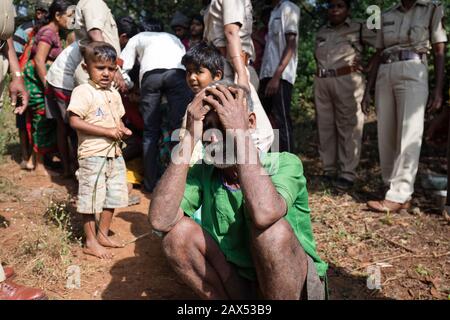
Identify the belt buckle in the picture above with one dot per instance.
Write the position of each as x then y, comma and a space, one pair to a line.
332, 72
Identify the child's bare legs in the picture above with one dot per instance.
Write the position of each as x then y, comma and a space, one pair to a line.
93, 247
103, 230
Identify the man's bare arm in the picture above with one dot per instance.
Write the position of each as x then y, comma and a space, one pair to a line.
17, 85
234, 50
288, 53
96, 35
266, 206
375, 62
165, 211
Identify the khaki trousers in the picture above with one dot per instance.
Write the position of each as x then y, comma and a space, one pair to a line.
400, 99
3, 70
340, 122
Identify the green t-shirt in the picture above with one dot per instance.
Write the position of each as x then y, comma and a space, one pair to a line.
225, 218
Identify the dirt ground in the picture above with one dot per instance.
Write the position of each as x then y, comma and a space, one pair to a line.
410, 250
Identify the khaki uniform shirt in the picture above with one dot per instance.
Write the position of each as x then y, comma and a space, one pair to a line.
7, 15
95, 14
100, 107
222, 12
284, 19
415, 29
340, 46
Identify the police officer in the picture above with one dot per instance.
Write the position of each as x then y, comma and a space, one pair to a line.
408, 31
228, 25
338, 90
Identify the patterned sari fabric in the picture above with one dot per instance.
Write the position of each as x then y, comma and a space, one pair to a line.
41, 131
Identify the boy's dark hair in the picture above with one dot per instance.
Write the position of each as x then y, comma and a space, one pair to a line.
152, 25
128, 26
98, 51
199, 18
206, 56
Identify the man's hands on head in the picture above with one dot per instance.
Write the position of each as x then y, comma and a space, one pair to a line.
196, 113
229, 105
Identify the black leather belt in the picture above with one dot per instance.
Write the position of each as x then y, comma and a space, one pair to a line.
403, 55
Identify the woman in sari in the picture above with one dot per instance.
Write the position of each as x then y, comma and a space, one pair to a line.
46, 47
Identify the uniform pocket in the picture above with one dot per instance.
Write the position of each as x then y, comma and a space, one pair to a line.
418, 33
390, 33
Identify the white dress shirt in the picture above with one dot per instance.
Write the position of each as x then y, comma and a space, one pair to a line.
154, 50
284, 19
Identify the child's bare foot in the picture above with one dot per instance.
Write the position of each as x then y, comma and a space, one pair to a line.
109, 242
97, 250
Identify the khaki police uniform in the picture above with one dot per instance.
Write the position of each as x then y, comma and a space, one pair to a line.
338, 92
218, 14
402, 90
7, 15
94, 14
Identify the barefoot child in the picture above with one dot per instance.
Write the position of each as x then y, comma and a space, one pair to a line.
95, 112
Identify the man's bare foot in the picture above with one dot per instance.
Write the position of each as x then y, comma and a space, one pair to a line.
108, 242
97, 250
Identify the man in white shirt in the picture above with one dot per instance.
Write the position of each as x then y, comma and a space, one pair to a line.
161, 73
279, 68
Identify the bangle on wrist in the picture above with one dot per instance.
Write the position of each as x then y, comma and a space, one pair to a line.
17, 74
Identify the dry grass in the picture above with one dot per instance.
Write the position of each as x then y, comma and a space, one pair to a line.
43, 249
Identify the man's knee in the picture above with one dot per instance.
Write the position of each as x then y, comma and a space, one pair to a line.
279, 235
178, 242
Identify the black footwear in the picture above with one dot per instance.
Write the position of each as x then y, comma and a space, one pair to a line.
327, 177
343, 184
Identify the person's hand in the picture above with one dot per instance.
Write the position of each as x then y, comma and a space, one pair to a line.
365, 104
232, 111
437, 131
435, 101
115, 134
125, 131
17, 89
119, 82
272, 86
196, 113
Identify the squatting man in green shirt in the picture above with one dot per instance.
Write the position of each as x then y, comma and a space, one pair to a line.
253, 238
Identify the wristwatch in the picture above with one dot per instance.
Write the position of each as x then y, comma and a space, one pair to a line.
18, 74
